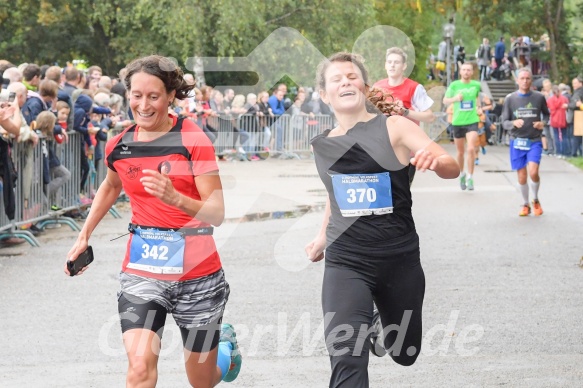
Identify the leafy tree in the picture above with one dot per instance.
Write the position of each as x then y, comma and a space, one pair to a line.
417, 20
525, 17
111, 33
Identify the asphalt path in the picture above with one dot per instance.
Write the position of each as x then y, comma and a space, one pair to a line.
502, 305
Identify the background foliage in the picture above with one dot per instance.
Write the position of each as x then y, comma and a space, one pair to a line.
110, 33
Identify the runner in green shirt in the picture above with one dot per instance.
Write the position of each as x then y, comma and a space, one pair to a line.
463, 94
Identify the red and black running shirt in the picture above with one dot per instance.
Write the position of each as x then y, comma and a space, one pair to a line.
183, 153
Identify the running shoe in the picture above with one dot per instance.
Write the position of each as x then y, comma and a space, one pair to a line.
85, 200
228, 334
463, 181
483, 150
538, 210
376, 338
477, 162
470, 183
524, 210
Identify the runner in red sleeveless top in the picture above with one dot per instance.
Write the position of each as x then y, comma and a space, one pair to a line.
416, 104
167, 168
410, 95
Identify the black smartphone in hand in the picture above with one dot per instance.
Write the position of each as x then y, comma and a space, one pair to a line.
83, 260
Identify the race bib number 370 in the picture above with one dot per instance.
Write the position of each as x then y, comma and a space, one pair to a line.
157, 251
363, 194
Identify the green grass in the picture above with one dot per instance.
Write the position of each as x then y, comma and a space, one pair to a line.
577, 162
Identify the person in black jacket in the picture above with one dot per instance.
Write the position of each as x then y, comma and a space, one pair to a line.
41, 101
83, 105
575, 103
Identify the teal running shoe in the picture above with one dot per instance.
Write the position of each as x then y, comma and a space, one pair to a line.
463, 181
228, 334
470, 183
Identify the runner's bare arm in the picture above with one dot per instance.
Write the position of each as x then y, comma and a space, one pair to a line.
105, 197
407, 137
426, 116
10, 118
315, 248
211, 206
449, 100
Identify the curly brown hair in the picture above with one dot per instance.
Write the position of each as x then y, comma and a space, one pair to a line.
167, 71
382, 101
377, 99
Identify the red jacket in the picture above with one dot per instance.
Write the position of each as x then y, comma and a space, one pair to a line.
558, 113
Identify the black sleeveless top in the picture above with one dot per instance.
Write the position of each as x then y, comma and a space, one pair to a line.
364, 149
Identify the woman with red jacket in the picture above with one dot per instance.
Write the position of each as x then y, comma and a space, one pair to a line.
557, 105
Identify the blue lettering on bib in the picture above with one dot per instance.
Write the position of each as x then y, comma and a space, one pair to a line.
157, 251
363, 194
521, 143
467, 105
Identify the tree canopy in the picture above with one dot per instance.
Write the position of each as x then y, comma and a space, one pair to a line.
110, 33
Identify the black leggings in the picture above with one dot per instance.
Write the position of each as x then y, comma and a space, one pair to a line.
396, 284
84, 171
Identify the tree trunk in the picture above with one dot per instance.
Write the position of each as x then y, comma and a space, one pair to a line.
552, 27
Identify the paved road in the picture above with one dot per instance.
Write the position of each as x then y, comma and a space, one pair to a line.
503, 302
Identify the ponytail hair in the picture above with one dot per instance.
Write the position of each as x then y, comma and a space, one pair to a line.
378, 100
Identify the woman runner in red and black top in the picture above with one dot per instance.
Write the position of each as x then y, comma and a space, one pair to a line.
167, 167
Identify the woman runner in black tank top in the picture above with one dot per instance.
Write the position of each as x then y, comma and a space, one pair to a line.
372, 248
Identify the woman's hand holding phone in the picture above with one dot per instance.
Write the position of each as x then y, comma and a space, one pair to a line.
78, 258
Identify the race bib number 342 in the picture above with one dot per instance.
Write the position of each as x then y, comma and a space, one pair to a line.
363, 194
157, 251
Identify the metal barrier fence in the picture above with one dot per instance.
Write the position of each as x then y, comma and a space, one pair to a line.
33, 206
437, 129
242, 137
286, 136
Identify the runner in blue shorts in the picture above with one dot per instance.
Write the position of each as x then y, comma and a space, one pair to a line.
525, 114
519, 158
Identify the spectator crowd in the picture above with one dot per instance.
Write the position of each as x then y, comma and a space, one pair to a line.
40, 106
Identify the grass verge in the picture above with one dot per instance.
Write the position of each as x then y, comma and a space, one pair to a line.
577, 162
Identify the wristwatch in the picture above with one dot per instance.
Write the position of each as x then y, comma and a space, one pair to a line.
406, 112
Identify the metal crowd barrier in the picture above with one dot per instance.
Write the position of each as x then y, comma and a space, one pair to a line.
436, 130
286, 136
244, 136
32, 205
29, 202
